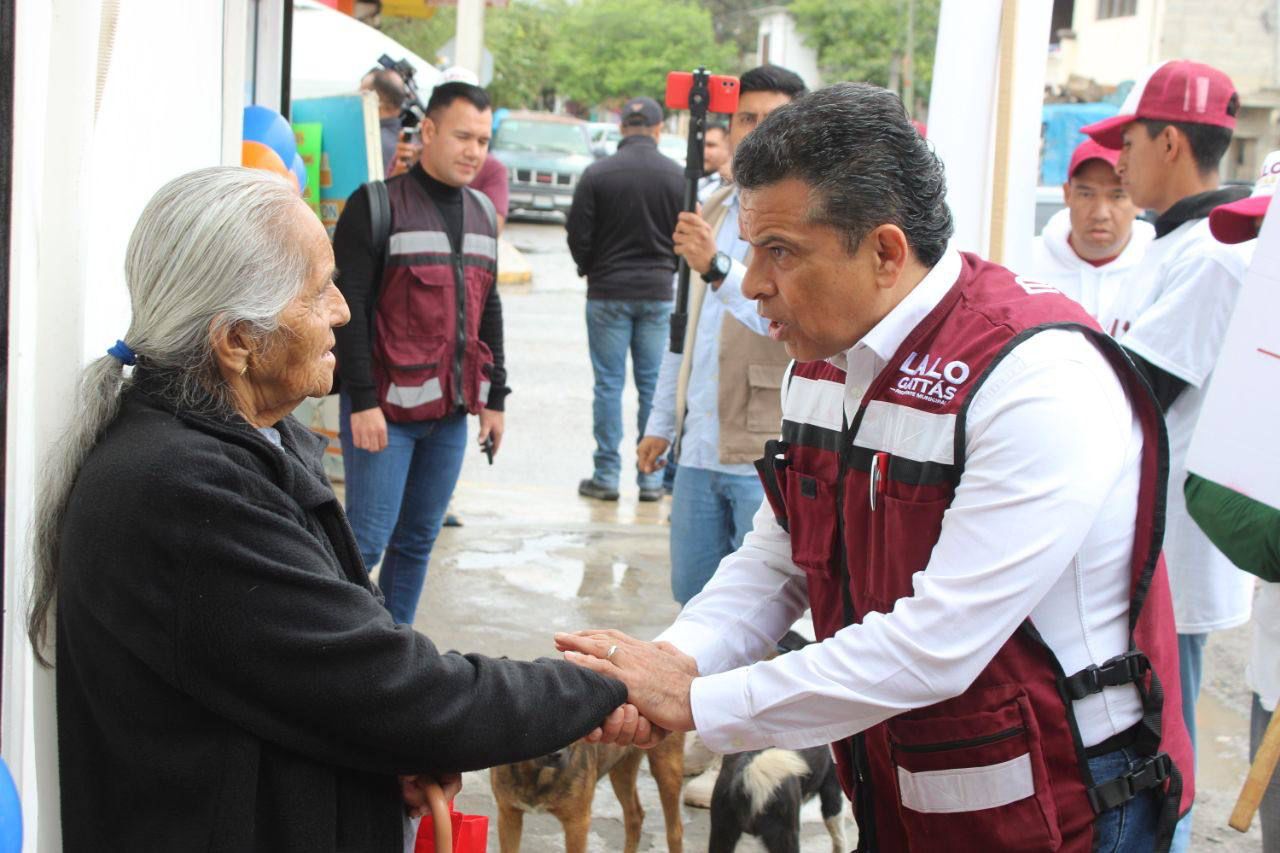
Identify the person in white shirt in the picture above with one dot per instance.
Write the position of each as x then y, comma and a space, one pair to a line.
966, 494
705, 402
1088, 249
1173, 130
716, 154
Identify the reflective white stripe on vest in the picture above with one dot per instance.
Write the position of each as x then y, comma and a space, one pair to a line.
909, 433
815, 401
419, 243
484, 391
408, 397
479, 244
967, 789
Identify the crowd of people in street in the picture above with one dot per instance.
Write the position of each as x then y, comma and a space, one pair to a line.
970, 478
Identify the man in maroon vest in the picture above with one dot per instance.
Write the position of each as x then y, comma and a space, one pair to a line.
424, 347
969, 495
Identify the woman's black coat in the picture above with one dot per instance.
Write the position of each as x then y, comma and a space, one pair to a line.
227, 678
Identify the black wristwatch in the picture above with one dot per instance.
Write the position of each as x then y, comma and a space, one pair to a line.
720, 266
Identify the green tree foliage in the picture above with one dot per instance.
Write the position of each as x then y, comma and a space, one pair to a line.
592, 51
862, 40
610, 50
734, 23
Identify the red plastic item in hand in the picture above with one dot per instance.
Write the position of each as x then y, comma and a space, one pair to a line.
470, 834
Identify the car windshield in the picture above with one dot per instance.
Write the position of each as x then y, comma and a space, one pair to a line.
524, 135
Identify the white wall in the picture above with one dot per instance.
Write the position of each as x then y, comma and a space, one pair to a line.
79, 183
1113, 50
787, 47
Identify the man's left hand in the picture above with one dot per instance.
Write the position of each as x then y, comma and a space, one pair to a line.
658, 675
491, 425
695, 242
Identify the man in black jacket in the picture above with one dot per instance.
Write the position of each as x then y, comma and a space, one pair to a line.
624, 212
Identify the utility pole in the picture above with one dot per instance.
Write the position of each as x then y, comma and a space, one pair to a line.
469, 39
908, 62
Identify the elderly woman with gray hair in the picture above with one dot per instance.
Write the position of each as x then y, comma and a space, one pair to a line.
227, 678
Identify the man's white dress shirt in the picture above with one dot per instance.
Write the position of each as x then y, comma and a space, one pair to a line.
1041, 525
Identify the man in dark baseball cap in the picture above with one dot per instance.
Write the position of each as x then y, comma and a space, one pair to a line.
641, 112
619, 230
1173, 130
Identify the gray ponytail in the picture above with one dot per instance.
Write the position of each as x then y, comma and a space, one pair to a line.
213, 249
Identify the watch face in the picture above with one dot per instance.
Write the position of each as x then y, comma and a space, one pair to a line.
721, 264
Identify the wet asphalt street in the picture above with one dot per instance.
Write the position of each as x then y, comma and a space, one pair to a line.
533, 558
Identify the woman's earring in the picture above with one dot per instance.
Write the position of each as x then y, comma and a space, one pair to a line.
244, 369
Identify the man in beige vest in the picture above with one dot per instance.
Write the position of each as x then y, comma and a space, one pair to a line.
720, 402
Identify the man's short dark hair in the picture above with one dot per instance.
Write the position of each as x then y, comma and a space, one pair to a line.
863, 160
1208, 141
772, 78
443, 96
388, 86
719, 127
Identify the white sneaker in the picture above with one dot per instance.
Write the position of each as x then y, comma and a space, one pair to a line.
697, 757
697, 792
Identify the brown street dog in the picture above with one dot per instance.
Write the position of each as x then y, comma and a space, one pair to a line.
564, 784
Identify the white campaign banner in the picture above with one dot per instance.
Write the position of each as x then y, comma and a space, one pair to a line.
1237, 440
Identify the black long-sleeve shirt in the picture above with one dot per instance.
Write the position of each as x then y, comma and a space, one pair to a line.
227, 677
621, 223
358, 262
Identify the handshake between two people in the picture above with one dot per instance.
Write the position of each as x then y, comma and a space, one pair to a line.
658, 677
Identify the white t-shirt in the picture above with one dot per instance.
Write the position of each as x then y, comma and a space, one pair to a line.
1177, 306
1263, 671
1054, 262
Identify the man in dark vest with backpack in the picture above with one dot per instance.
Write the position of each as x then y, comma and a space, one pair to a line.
968, 492
417, 259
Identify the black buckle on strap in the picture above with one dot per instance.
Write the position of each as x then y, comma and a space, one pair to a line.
1144, 774
1128, 668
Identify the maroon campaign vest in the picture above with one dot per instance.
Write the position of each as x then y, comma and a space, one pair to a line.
864, 508
428, 359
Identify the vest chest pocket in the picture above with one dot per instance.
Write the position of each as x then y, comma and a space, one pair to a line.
901, 533
971, 775
428, 301
811, 513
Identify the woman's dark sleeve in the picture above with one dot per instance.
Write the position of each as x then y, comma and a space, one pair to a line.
357, 260
268, 636
491, 334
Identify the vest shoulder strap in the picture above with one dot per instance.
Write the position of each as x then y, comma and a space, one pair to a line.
486, 204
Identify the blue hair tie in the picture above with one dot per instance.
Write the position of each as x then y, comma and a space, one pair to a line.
122, 352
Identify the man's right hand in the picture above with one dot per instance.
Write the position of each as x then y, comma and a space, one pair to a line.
650, 454
369, 429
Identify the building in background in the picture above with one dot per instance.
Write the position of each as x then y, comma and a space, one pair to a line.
778, 42
1113, 41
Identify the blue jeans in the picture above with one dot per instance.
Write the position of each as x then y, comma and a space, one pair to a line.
397, 497
1190, 668
614, 327
710, 513
1132, 825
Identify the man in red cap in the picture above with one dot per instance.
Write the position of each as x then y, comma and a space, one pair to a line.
1172, 130
1089, 250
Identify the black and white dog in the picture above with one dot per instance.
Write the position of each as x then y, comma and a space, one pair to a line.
760, 793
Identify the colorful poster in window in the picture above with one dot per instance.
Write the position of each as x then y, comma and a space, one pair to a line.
350, 151
308, 137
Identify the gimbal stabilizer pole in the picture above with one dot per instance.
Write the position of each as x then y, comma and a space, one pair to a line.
699, 95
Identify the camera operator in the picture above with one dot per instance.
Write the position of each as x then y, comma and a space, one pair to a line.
398, 154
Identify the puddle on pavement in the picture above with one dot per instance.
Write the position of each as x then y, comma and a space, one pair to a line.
548, 565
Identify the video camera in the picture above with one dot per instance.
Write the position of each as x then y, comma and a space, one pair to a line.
413, 111
700, 93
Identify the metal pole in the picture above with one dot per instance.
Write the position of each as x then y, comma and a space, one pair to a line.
470, 35
699, 100
909, 61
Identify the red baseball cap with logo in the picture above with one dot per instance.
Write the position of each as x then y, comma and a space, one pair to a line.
1178, 90
1090, 150
1237, 222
